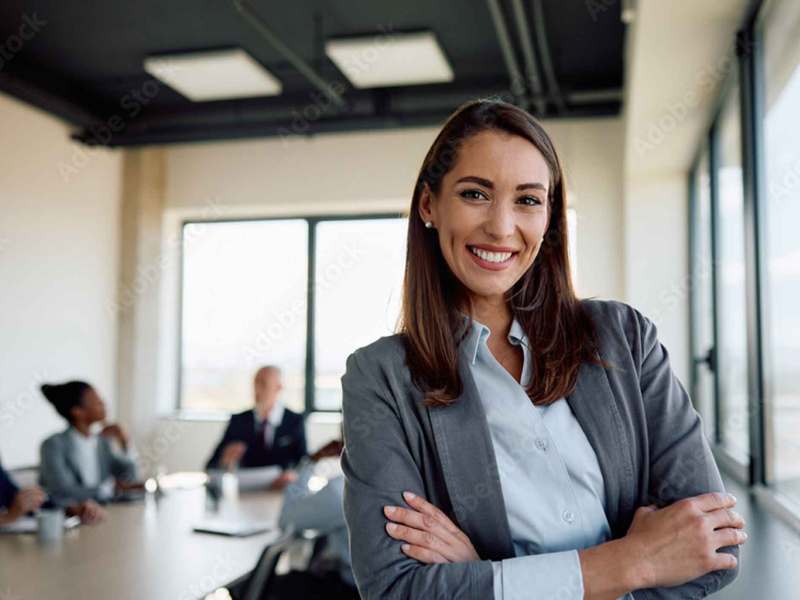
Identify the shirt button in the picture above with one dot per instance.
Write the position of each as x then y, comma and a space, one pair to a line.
541, 444
568, 516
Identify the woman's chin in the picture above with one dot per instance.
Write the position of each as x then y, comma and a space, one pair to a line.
484, 289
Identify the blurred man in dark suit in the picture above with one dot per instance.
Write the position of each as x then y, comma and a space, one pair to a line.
269, 434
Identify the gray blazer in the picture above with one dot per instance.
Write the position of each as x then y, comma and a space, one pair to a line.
60, 475
648, 438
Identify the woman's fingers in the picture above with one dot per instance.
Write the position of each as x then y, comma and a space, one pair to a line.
725, 517
711, 501
422, 554
419, 503
418, 520
421, 530
729, 536
426, 526
417, 537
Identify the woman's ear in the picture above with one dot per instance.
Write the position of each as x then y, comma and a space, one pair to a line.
425, 203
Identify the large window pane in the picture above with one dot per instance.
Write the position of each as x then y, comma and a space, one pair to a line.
702, 297
732, 333
244, 306
359, 273
782, 244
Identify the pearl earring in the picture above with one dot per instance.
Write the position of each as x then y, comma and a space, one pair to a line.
429, 224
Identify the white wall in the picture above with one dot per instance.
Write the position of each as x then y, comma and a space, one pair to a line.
59, 221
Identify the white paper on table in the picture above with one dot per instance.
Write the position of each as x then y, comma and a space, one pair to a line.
253, 478
29, 525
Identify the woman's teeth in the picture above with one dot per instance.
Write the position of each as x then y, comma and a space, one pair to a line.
495, 257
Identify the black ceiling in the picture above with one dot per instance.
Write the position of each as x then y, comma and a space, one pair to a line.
82, 61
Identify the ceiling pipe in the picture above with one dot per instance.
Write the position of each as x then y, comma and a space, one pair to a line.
531, 69
295, 60
544, 52
517, 81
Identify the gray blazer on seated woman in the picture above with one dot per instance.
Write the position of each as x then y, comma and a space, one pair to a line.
78, 464
548, 447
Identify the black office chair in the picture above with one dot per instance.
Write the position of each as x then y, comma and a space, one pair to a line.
262, 576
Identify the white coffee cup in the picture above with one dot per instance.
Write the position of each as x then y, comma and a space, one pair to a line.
50, 522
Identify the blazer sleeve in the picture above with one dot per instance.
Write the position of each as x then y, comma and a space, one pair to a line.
228, 436
122, 466
378, 466
8, 490
681, 462
56, 477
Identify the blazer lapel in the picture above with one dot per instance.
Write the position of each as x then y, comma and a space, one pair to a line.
469, 467
595, 407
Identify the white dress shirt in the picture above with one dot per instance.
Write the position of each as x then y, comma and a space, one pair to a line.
274, 419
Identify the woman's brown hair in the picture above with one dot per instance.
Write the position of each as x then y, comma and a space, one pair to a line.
560, 332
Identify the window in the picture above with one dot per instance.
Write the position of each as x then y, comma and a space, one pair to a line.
246, 302
782, 246
243, 306
358, 281
702, 298
732, 354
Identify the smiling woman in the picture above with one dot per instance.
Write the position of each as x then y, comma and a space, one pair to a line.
511, 440
497, 209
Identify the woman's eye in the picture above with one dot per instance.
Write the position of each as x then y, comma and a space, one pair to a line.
530, 200
472, 194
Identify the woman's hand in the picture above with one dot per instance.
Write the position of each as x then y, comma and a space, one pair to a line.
89, 512
679, 542
430, 536
283, 480
232, 454
27, 500
115, 431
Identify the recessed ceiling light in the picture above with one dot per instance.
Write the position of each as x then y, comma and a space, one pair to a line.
390, 60
214, 75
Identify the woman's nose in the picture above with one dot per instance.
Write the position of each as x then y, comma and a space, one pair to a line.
500, 221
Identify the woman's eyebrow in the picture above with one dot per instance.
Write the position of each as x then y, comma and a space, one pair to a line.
488, 184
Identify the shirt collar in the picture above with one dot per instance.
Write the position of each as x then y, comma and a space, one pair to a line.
86, 440
479, 333
275, 415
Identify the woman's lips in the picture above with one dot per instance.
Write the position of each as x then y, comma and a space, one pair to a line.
490, 265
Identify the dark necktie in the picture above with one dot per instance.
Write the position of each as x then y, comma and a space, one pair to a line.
263, 433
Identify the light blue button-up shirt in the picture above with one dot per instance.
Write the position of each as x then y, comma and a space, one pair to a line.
549, 474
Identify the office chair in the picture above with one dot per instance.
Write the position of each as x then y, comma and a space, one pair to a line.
258, 584
264, 572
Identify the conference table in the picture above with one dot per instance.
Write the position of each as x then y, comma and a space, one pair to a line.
146, 549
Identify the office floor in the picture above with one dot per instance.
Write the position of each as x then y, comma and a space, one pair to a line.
770, 560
